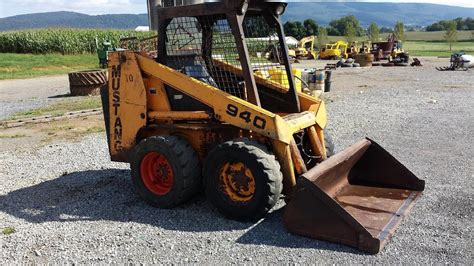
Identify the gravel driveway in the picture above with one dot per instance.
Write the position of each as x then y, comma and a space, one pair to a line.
25, 94
69, 203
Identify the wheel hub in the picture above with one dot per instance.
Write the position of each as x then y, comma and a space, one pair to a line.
157, 173
237, 181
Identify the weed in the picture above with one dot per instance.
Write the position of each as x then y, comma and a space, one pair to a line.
13, 136
8, 230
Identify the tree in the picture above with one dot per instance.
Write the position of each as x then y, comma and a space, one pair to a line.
311, 27
462, 24
289, 28
295, 29
322, 36
386, 30
300, 30
469, 24
434, 27
374, 32
338, 26
459, 23
350, 33
399, 31
451, 35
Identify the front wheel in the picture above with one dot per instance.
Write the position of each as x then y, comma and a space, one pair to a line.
165, 171
242, 179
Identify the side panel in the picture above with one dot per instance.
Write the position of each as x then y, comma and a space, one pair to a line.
227, 108
157, 99
127, 104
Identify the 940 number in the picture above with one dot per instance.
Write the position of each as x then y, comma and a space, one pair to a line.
256, 120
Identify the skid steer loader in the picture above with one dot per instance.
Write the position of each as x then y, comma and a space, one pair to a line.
202, 114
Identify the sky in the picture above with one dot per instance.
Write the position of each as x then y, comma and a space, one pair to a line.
96, 7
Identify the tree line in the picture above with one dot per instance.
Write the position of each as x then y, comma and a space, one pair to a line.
461, 24
348, 26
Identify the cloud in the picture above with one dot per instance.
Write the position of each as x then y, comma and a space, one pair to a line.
95, 7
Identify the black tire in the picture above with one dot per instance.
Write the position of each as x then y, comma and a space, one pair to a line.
92, 90
87, 82
265, 169
182, 159
88, 78
329, 143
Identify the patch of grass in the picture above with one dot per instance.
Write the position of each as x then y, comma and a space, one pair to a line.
464, 35
62, 107
95, 129
15, 136
14, 66
72, 130
429, 48
8, 230
75, 129
457, 86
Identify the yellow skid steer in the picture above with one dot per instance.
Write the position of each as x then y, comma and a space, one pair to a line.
199, 112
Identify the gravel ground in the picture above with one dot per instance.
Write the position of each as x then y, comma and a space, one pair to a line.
68, 203
25, 94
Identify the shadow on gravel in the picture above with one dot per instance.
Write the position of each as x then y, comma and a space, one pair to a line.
272, 232
107, 195
66, 95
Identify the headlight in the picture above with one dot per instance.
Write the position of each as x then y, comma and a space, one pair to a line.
279, 9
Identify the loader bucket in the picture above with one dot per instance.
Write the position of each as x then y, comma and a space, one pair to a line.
358, 197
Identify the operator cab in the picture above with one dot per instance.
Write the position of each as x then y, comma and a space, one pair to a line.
209, 46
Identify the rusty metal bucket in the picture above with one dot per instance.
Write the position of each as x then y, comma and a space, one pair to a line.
358, 197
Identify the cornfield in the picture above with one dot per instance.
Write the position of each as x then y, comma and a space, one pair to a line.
64, 41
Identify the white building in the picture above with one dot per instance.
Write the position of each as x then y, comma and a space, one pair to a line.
142, 28
291, 41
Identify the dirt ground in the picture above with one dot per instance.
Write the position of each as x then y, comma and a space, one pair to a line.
21, 138
62, 200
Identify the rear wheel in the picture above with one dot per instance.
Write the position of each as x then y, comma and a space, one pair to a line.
165, 171
242, 179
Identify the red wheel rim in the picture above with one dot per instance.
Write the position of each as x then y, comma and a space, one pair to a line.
157, 173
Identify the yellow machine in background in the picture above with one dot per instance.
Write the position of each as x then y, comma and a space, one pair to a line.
355, 48
305, 48
334, 50
200, 114
279, 75
391, 48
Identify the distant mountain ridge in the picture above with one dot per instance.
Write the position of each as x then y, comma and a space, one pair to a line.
72, 20
384, 14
